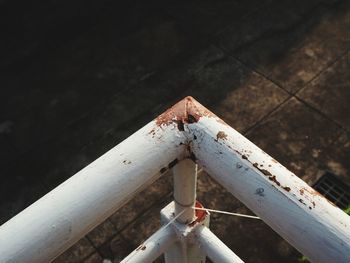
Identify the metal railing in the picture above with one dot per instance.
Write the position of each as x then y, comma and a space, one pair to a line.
185, 134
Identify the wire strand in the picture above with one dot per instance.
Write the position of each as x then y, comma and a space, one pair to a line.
226, 213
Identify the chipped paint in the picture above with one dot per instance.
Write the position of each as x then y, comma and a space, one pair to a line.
221, 135
281, 200
186, 130
186, 111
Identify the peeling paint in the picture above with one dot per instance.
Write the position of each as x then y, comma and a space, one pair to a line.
185, 111
273, 179
286, 188
221, 135
314, 193
182, 119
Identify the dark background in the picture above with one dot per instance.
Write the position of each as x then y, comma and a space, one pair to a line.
77, 77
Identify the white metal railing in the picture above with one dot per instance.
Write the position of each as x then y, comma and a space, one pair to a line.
186, 131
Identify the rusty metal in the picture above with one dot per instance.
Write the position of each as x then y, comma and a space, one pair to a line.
188, 130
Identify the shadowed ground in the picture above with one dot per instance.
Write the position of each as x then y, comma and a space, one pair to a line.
79, 77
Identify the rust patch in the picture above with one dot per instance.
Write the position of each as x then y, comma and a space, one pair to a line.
173, 163
265, 172
286, 188
221, 135
273, 179
312, 192
200, 214
188, 110
315, 193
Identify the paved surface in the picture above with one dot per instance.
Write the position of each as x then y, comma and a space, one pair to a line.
76, 79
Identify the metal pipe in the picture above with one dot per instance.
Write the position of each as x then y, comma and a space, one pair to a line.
215, 249
153, 247
184, 250
298, 213
185, 179
59, 219
303, 217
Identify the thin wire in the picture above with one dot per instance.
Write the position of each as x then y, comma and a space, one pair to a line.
172, 220
226, 213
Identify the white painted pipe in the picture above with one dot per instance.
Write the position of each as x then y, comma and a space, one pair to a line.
184, 250
185, 179
56, 221
215, 249
317, 228
153, 247
299, 214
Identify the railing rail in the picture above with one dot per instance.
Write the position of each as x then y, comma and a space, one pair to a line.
299, 214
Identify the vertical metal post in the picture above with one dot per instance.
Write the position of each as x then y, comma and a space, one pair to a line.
186, 248
185, 179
